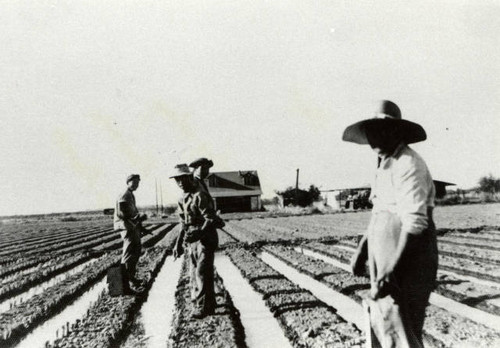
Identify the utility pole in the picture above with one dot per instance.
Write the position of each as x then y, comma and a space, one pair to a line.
161, 198
297, 188
156, 194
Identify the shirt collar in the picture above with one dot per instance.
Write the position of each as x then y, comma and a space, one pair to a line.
383, 161
398, 150
395, 153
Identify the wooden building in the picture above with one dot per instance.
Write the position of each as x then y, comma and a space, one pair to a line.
236, 191
441, 188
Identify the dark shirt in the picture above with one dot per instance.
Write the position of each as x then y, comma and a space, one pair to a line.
125, 210
196, 208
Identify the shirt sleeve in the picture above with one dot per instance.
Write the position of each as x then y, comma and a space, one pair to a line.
127, 207
124, 198
180, 213
411, 190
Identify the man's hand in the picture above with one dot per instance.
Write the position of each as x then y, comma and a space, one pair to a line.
359, 258
358, 262
218, 222
139, 218
384, 283
178, 250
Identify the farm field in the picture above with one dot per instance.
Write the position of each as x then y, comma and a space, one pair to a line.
292, 270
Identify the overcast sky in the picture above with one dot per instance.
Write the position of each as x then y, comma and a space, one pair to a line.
91, 91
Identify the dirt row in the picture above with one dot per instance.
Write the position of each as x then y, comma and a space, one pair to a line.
306, 321
27, 265
55, 242
21, 319
44, 267
108, 320
19, 282
223, 329
463, 251
12, 235
441, 327
24, 316
474, 294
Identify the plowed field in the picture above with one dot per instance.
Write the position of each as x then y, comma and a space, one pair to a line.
280, 282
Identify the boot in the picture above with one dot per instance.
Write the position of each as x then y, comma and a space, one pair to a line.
129, 288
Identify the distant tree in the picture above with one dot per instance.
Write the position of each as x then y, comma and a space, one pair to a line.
489, 184
300, 197
314, 193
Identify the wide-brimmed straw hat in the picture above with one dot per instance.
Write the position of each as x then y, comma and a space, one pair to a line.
180, 170
387, 115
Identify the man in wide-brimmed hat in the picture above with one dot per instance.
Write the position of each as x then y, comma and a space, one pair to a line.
400, 242
197, 231
128, 221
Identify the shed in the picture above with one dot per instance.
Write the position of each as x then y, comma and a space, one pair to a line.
441, 188
236, 191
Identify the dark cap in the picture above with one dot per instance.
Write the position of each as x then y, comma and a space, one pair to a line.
201, 162
133, 177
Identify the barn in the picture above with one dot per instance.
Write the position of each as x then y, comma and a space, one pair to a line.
441, 188
236, 191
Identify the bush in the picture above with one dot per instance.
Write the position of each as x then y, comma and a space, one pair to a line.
489, 184
298, 197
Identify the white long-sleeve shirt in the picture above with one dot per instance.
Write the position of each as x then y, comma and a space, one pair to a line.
403, 185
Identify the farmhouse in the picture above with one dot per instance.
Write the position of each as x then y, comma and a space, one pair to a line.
235, 191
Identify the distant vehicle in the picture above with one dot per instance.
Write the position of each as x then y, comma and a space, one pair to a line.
359, 200
109, 211
350, 197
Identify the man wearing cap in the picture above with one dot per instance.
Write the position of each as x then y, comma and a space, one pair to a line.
201, 168
400, 242
197, 231
128, 221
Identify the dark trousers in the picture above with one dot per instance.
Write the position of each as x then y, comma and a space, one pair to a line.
201, 257
131, 250
399, 315
417, 278
202, 276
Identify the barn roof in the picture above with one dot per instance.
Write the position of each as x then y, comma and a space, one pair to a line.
443, 183
234, 184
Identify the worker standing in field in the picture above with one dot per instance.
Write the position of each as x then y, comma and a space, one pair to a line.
400, 242
198, 233
128, 221
201, 168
